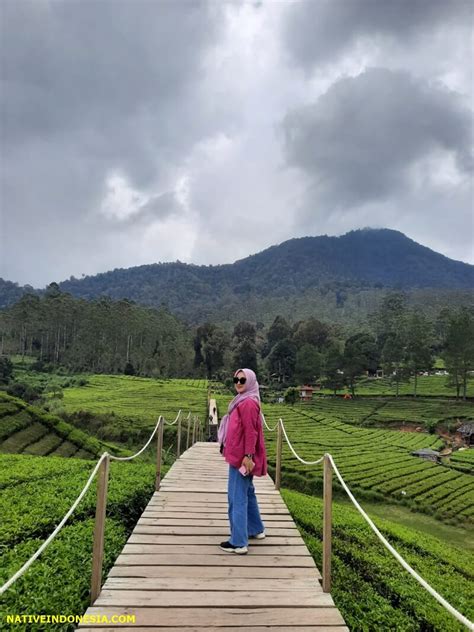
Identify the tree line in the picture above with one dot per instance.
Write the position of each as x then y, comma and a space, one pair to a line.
106, 336
100, 336
398, 342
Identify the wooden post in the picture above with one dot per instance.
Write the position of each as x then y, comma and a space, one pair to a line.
159, 449
193, 439
278, 456
327, 524
187, 436
99, 528
178, 439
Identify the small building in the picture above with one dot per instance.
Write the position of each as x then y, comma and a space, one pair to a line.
428, 454
306, 393
467, 432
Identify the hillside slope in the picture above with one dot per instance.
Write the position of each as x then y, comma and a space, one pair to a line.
340, 278
26, 429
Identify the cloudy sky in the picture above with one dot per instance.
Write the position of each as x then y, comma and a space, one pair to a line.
139, 131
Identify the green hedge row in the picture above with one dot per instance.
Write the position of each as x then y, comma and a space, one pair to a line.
370, 587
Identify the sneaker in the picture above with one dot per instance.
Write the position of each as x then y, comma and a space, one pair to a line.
230, 548
259, 536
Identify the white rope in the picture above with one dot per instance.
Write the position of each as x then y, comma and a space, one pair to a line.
267, 426
171, 423
293, 450
460, 617
129, 458
27, 564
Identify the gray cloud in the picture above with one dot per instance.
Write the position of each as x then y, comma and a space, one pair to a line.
160, 207
135, 131
65, 63
321, 31
90, 88
358, 142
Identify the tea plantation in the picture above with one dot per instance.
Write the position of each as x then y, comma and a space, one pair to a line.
35, 493
370, 587
29, 430
375, 462
370, 438
135, 403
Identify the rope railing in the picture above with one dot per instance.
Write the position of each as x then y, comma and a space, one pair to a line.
134, 456
102, 466
47, 542
329, 466
460, 617
293, 450
267, 426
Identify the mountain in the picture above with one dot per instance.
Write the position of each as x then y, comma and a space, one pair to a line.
321, 274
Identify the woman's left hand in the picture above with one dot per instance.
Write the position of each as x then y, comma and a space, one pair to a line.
248, 464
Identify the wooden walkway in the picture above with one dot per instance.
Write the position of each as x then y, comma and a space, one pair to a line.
173, 577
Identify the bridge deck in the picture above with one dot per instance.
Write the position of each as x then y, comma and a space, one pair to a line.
173, 577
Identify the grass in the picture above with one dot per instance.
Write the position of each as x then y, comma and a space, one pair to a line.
427, 386
373, 452
371, 589
29, 429
35, 492
449, 534
137, 398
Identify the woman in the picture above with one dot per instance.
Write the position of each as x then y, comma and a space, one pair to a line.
241, 434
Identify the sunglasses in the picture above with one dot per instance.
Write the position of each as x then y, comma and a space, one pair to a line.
242, 380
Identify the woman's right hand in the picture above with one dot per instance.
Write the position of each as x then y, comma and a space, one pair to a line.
248, 464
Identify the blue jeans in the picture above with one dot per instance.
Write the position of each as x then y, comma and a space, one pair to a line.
244, 515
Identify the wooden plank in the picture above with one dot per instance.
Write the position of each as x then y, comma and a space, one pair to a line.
173, 577
212, 472
199, 522
217, 531
214, 572
192, 599
147, 538
214, 520
198, 505
219, 499
211, 584
181, 559
194, 489
204, 549
168, 511
214, 484
248, 628
178, 476
215, 494
241, 617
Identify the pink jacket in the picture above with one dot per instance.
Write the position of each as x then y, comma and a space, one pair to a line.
245, 436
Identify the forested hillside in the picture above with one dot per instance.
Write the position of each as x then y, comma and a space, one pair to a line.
339, 279
58, 332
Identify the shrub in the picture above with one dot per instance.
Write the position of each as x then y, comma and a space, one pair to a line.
23, 391
292, 395
6, 369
